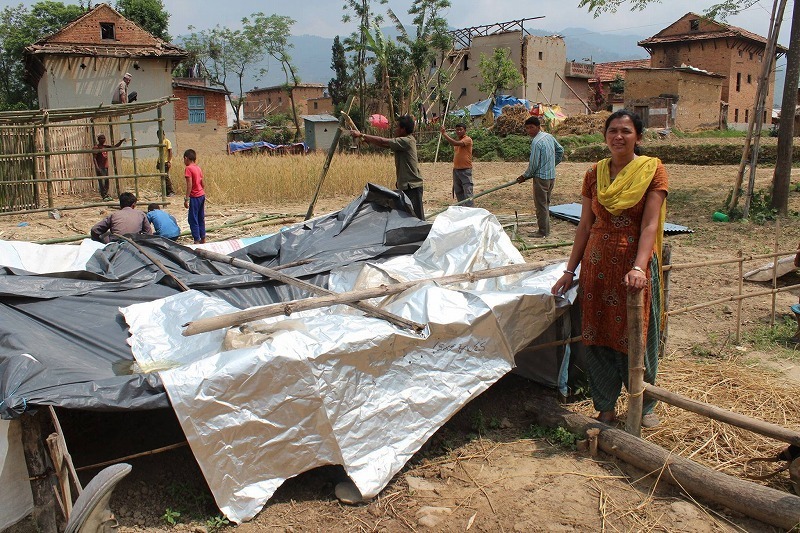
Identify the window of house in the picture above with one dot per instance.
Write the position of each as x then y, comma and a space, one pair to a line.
280, 100
197, 109
738, 81
541, 56
269, 100
736, 115
107, 30
741, 54
747, 115
694, 24
316, 105
539, 86
465, 63
751, 56
765, 116
749, 78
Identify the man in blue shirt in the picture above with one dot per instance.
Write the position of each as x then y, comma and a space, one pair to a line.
546, 153
163, 223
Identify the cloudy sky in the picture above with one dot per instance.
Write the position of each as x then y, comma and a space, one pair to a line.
323, 17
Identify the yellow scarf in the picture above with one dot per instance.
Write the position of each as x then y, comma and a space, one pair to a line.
628, 188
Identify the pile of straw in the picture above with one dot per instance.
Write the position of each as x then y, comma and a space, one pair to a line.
731, 386
511, 120
583, 124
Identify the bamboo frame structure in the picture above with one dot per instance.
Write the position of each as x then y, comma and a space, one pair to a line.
47, 152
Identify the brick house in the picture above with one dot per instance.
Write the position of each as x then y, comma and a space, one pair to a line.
309, 98
606, 73
733, 52
81, 64
685, 98
542, 60
201, 115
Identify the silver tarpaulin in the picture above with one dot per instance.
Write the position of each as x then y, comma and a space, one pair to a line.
332, 386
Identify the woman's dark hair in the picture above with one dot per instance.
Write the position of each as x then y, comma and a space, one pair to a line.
638, 125
636, 119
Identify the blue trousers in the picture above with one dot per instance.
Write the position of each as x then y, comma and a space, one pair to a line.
197, 217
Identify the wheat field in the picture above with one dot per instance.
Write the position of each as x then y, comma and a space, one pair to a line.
261, 178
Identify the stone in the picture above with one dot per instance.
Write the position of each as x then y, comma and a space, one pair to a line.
432, 516
416, 484
348, 493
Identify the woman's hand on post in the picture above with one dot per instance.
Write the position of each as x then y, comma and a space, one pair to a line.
635, 279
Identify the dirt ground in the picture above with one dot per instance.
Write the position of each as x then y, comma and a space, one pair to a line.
485, 471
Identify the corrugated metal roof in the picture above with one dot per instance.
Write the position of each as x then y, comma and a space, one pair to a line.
320, 118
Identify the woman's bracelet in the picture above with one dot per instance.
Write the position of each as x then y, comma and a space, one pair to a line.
636, 268
571, 272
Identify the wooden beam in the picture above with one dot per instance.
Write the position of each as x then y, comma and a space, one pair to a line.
42, 478
636, 347
287, 308
761, 427
768, 505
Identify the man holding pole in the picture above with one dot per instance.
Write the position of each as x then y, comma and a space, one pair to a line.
404, 147
462, 163
546, 153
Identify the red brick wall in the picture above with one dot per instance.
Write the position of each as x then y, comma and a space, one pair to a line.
87, 30
215, 104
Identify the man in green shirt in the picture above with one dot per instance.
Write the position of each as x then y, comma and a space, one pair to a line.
404, 147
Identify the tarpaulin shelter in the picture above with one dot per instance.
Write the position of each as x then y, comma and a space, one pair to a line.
495, 104
327, 386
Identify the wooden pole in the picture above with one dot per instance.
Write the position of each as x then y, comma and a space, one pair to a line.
43, 479
768, 505
775, 273
684, 266
666, 258
328, 158
47, 170
733, 298
465, 200
241, 317
636, 347
162, 168
444, 118
133, 154
150, 257
761, 427
313, 289
113, 141
739, 303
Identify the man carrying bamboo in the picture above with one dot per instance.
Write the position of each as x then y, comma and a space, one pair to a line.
404, 147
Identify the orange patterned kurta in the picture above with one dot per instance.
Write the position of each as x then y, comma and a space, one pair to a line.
609, 255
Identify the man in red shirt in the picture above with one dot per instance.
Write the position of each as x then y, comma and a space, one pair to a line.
195, 199
100, 159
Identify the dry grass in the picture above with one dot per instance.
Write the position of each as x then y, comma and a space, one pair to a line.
260, 178
730, 385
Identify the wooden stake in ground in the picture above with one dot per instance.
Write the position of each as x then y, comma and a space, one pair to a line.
636, 346
328, 158
444, 118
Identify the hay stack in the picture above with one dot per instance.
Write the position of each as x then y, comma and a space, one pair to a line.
511, 120
583, 124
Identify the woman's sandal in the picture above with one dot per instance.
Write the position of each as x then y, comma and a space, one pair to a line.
650, 420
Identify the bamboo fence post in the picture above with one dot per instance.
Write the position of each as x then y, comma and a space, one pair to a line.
204, 325
112, 141
162, 168
444, 118
666, 259
328, 158
775, 273
273, 274
46, 146
636, 347
739, 303
133, 154
42, 477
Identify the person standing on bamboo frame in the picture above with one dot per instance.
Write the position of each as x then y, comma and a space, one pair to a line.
618, 247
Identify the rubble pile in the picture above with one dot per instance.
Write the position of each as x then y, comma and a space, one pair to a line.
583, 124
511, 120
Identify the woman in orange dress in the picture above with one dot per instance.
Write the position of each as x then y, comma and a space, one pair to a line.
618, 247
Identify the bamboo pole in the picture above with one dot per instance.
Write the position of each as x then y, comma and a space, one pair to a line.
555, 344
732, 299
112, 140
47, 174
768, 505
683, 266
328, 158
150, 257
68, 458
273, 274
761, 427
444, 117
483, 193
775, 273
162, 168
636, 347
287, 308
739, 303
72, 152
133, 456
666, 258
133, 154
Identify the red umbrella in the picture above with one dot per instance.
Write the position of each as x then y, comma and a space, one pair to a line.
379, 121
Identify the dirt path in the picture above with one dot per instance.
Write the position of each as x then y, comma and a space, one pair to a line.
485, 470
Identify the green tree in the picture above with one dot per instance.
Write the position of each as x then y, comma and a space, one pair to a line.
781, 180
339, 86
19, 28
278, 48
224, 55
362, 12
149, 14
498, 72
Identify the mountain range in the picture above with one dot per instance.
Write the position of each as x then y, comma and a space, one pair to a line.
312, 55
